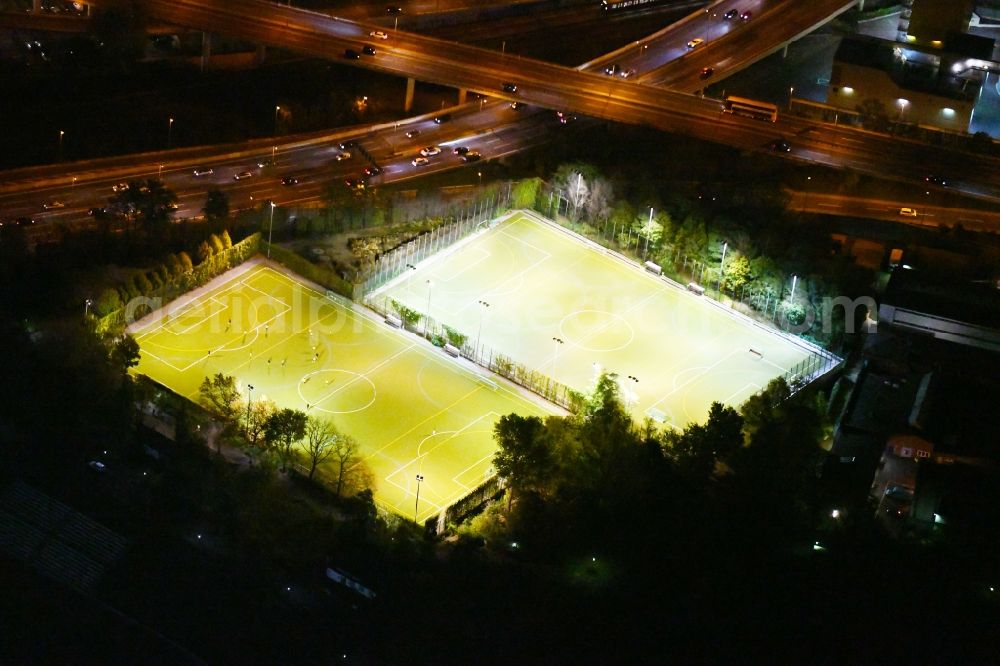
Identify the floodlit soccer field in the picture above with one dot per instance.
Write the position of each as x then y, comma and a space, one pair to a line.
536, 293
413, 409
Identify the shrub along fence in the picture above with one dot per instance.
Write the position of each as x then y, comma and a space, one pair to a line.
323, 276
115, 322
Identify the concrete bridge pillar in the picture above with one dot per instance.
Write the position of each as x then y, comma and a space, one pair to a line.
784, 50
861, 5
411, 85
206, 48
36, 6
462, 93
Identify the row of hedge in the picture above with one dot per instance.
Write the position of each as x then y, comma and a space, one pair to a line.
310, 271
173, 283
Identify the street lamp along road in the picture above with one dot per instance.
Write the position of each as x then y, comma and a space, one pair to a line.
270, 228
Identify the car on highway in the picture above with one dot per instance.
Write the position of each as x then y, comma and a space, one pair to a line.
517, 106
745, 16
97, 211
779, 146
203, 171
412, 133
373, 170
378, 34
351, 54
908, 212
344, 145
368, 49
22, 222
509, 88
460, 150
936, 180
613, 69
565, 118
262, 163
97, 465
695, 43
120, 187
356, 184
706, 73
472, 156
731, 14
289, 181
52, 205
393, 10
243, 175
420, 161
341, 156
627, 73
443, 118
430, 151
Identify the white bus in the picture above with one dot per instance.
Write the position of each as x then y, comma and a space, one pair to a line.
741, 106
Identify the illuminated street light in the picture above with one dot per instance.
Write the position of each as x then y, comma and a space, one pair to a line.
270, 228
482, 309
249, 403
276, 109
86, 307
555, 356
416, 506
170, 131
427, 317
62, 133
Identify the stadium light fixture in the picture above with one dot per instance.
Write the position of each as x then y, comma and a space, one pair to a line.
416, 506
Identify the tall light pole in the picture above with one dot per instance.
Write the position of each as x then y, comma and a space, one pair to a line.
630, 394
649, 230
249, 403
276, 109
170, 131
416, 506
427, 317
903, 103
86, 307
722, 264
791, 93
159, 172
62, 133
795, 278
270, 228
482, 309
555, 356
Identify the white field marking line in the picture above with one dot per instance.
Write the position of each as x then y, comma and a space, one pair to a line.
623, 315
375, 327
455, 480
410, 493
452, 434
364, 374
146, 352
749, 385
255, 330
170, 318
693, 379
429, 417
211, 313
725, 315
485, 254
